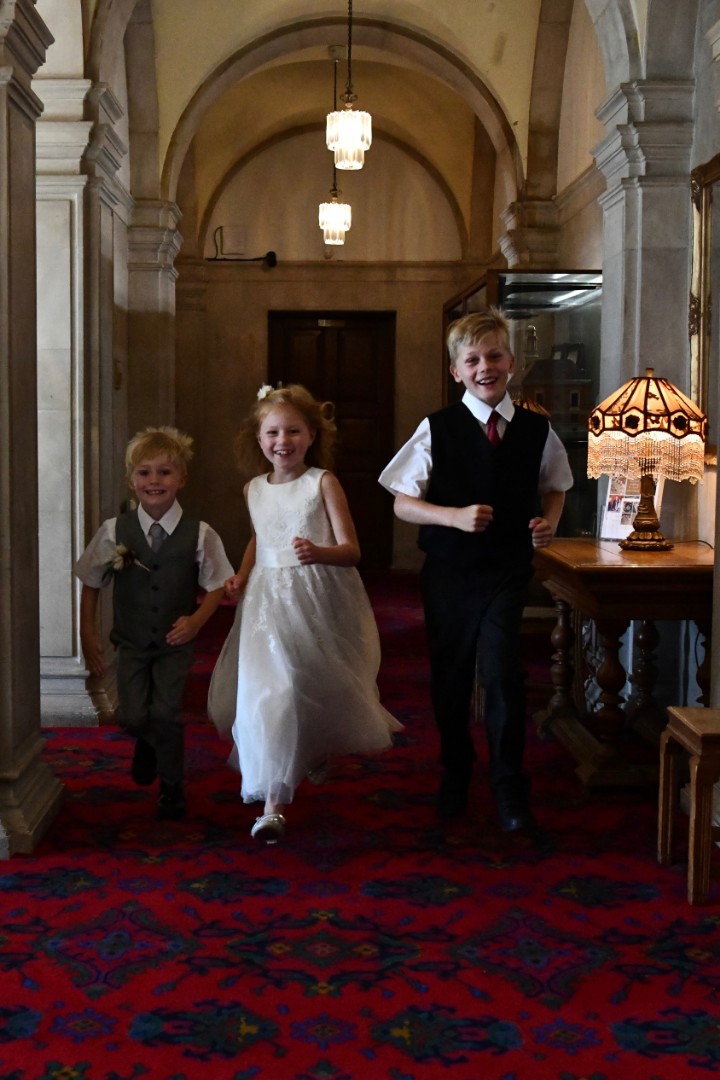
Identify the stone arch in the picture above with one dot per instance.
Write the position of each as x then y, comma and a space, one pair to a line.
106, 37
546, 98
143, 122
670, 44
125, 28
617, 33
419, 49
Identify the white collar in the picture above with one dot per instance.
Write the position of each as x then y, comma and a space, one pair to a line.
481, 411
169, 520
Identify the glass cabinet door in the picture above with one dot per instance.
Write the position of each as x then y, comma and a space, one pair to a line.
554, 318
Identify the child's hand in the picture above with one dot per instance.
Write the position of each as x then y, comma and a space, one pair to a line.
473, 519
183, 630
306, 551
542, 532
93, 653
234, 586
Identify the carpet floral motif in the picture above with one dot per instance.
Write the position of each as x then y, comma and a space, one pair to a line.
374, 943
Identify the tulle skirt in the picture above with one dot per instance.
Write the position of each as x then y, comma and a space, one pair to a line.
301, 662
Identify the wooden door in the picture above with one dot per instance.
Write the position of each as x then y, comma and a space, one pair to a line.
347, 358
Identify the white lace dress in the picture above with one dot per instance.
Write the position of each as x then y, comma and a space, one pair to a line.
308, 651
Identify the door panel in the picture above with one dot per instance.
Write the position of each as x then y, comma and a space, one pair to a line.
347, 358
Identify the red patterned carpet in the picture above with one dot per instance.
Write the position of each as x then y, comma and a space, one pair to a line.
373, 943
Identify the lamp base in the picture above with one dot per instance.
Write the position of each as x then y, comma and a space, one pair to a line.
645, 541
646, 535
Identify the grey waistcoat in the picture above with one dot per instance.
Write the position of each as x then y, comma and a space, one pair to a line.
146, 602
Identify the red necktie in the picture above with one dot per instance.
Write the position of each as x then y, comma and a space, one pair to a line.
492, 429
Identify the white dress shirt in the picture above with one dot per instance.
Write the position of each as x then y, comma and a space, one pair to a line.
409, 471
214, 567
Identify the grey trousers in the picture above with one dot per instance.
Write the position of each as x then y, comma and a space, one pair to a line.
150, 696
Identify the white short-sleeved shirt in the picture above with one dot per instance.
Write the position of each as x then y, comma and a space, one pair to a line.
214, 567
409, 471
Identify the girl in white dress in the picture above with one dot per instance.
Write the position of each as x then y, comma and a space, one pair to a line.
306, 640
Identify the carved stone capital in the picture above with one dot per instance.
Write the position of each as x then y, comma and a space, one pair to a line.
531, 236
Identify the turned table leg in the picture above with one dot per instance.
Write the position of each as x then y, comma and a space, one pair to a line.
642, 706
609, 720
562, 668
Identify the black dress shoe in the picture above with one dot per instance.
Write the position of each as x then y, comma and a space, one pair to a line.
516, 819
144, 763
171, 802
452, 795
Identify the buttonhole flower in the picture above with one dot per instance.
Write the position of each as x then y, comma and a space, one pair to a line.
122, 557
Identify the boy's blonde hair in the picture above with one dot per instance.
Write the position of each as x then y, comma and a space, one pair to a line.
318, 415
159, 442
470, 328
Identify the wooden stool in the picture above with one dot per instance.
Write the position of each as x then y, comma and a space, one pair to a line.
696, 730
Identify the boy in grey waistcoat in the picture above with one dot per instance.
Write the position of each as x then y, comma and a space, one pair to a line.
157, 559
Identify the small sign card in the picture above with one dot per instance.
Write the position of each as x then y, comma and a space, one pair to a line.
621, 506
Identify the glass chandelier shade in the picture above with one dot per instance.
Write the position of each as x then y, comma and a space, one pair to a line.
348, 134
334, 218
348, 131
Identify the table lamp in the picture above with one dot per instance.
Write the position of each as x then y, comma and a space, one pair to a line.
645, 429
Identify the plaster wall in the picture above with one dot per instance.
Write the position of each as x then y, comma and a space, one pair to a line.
400, 211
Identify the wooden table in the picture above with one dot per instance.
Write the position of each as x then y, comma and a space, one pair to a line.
601, 581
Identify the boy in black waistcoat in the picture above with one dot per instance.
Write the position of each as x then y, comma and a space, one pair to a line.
157, 559
473, 477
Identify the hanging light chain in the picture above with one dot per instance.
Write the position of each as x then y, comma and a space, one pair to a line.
349, 97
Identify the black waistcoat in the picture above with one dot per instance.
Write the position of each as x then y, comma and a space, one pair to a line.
466, 470
146, 602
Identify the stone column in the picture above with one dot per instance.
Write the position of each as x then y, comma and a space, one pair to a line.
647, 240
647, 219
153, 244
531, 236
29, 793
62, 137
107, 209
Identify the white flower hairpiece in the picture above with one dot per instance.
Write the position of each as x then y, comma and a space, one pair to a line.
264, 391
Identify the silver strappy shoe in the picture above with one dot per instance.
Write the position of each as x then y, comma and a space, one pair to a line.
269, 827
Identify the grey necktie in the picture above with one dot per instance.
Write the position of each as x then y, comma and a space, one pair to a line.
157, 535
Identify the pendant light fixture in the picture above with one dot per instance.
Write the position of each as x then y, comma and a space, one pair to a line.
334, 217
349, 131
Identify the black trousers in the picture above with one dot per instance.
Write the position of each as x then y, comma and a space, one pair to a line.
469, 613
150, 697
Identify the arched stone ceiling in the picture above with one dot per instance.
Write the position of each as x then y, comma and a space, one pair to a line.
492, 42
413, 110
408, 53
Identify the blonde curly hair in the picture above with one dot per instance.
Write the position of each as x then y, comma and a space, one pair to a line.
318, 415
159, 442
